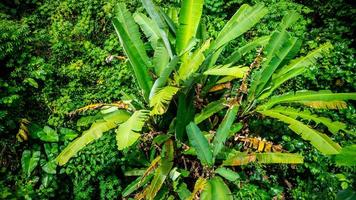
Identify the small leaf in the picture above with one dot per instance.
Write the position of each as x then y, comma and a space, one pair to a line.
48, 135
31, 82
50, 167
67, 134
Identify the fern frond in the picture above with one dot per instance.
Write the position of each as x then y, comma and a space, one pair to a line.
160, 101
319, 140
333, 127
307, 97
127, 133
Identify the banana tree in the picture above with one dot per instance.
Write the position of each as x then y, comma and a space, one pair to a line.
177, 83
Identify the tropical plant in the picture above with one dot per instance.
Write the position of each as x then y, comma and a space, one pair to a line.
180, 85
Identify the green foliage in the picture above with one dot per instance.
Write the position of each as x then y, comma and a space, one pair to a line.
60, 56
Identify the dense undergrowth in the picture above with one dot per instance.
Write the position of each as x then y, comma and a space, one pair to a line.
58, 56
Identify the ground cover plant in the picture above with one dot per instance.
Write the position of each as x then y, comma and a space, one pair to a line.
194, 125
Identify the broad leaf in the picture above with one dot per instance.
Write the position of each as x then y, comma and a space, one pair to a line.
200, 144
96, 130
227, 174
130, 39
244, 19
160, 58
159, 21
333, 127
237, 158
223, 131
307, 97
136, 184
128, 132
189, 18
319, 140
295, 68
162, 171
164, 76
160, 101
209, 110
280, 49
48, 134
192, 63
149, 28
216, 189
226, 70
29, 161
241, 51
347, 156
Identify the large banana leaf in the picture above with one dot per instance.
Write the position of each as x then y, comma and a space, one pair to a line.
347, 156
216, 189
200, 144
160, 101
185, 114
226, 70
289, 20
223, 131
244, 19
124, 17
307, 97
160, 58
189, 18
280, 48
164, 76
304, 61
149, 28
159, 21
162, 171
295, 68
333, 127
128, 132
237, 158
227, 174
319, 140
96, 130
192, 63
241, 51
130, 39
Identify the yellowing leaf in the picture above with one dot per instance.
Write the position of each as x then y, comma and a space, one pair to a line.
128, 132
